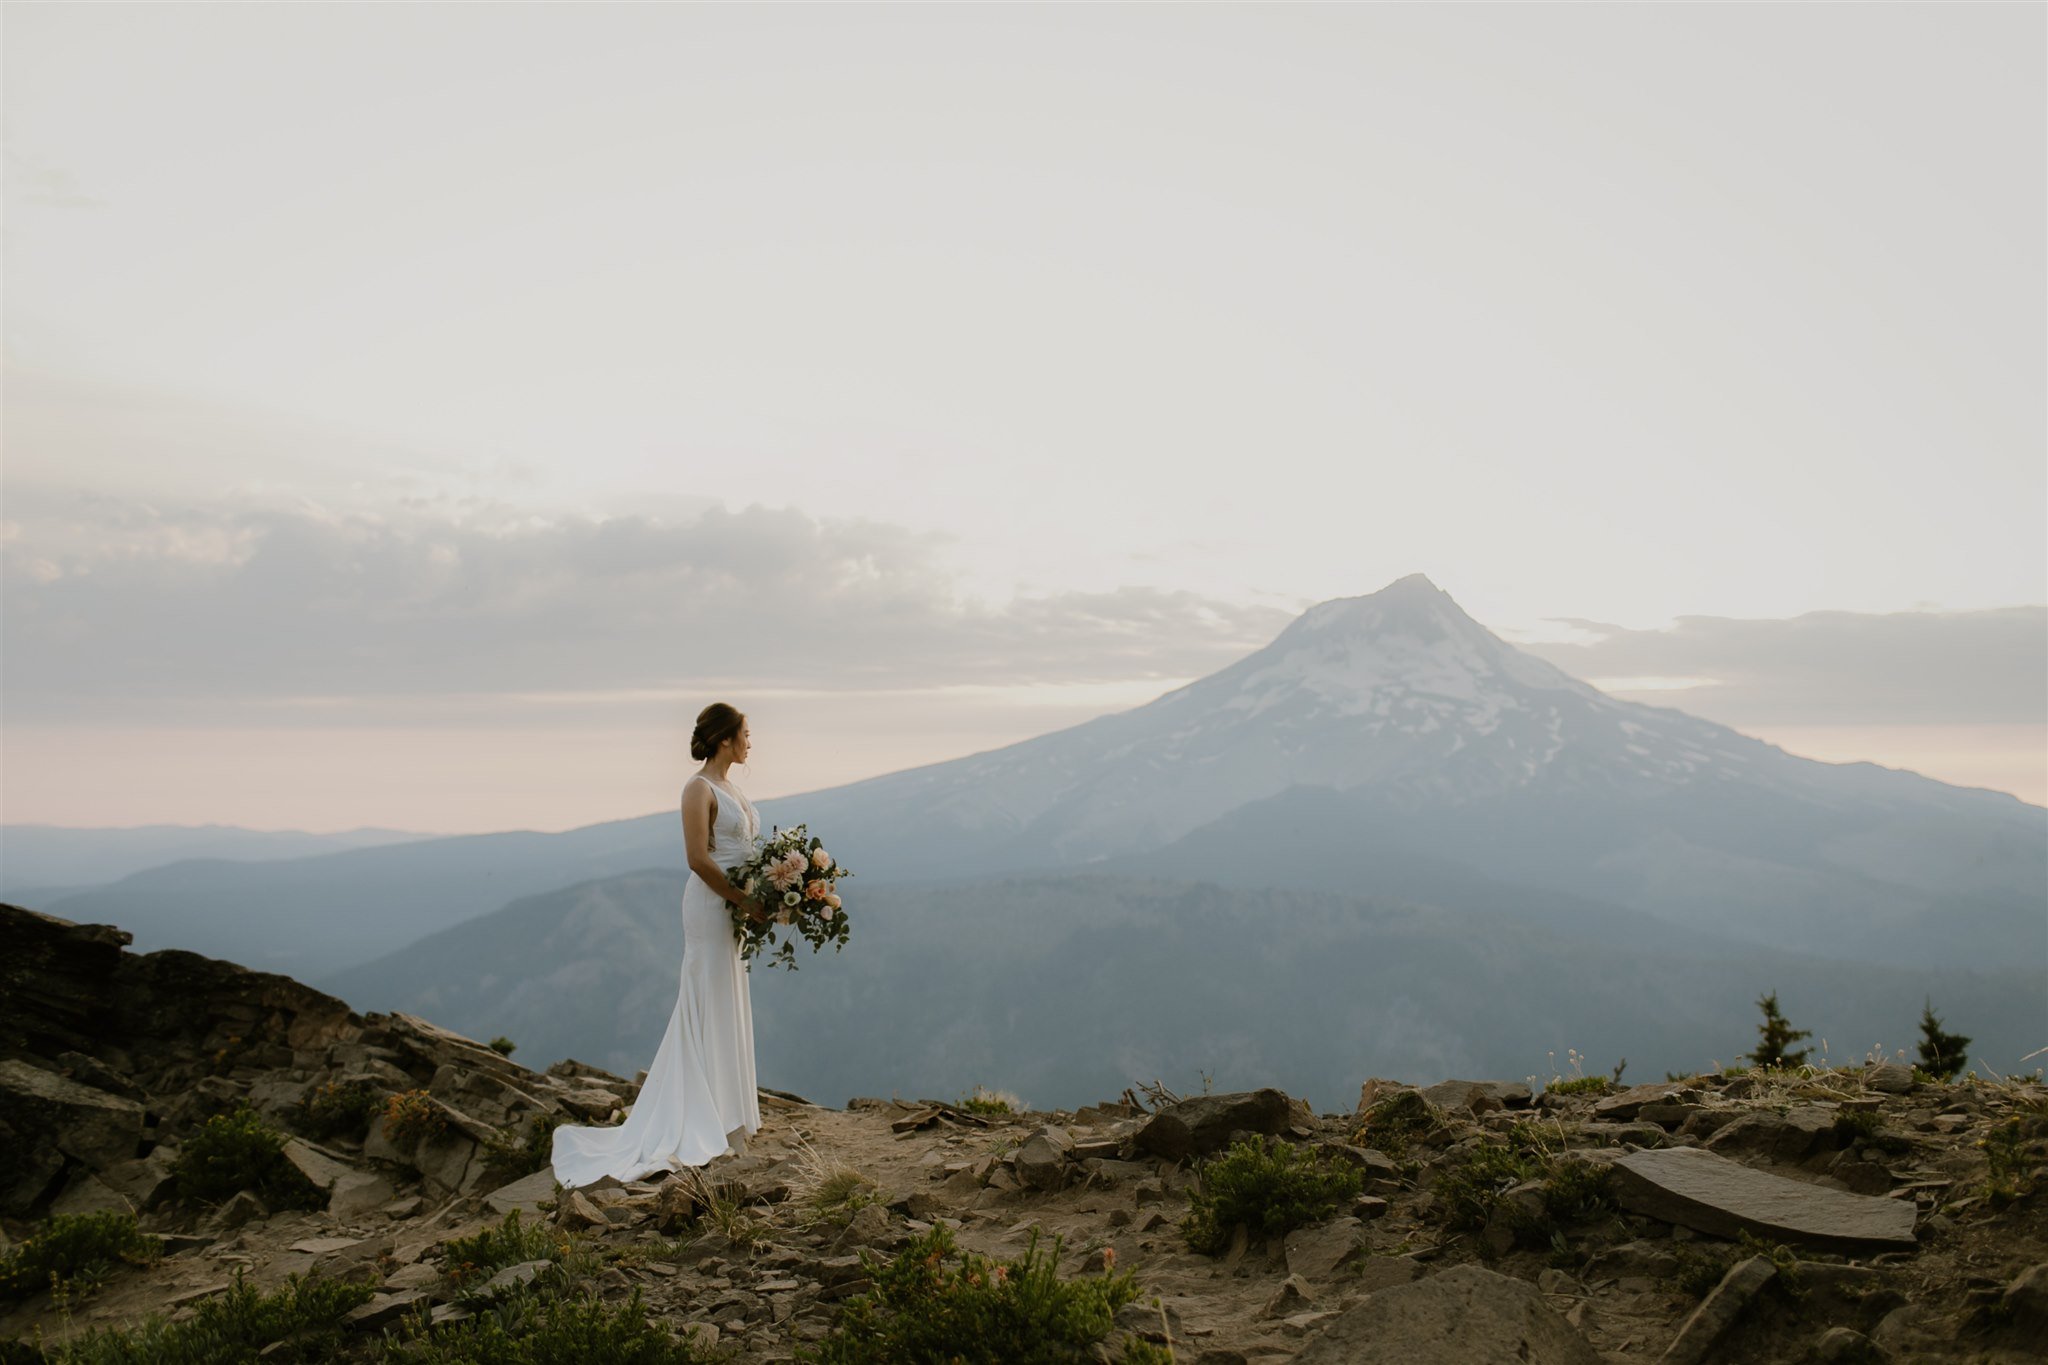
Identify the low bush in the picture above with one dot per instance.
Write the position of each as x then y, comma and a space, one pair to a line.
992, 1103
1580, 1085
1269, 1186
339, 1109
503, 1046
239, 1151
469, 1260
73, 1253
411, 1115
2014, 1147
299, 1324
1475, 1181
934, 1303
506, 1159
1395, 1121
530, 1328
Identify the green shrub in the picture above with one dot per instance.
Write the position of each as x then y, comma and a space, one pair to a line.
299, 1324
503, 1046
1394, 1121
411, 1115
992, 1103
505, 1160
239, 1151
926, 1308
478, 1257
1575, 1190
531, 1328
1269, 1186
1580, 1085
2013, 1147
339, 1109
75, 1251
1473, 1179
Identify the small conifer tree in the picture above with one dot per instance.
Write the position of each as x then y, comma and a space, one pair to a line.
1941, 1054
1775, 1034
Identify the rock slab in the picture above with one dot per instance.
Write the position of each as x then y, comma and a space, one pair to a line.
1709, 1193
1462, 1316
1718, 1311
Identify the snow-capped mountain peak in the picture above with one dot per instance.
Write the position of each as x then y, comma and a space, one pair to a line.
1357, 653
1398, 693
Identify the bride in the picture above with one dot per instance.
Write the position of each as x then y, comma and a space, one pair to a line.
698, 1101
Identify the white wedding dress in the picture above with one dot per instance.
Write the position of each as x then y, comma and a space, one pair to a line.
699, 1100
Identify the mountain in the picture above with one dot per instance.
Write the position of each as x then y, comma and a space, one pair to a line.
1386, 736
51, 856
1067, 988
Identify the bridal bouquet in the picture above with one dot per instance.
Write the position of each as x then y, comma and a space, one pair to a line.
794, 876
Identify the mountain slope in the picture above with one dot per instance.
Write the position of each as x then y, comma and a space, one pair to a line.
1068, 988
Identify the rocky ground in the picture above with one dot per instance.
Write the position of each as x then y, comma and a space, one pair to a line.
1842, 1214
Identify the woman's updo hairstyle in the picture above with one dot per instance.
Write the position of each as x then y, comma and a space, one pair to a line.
716, 724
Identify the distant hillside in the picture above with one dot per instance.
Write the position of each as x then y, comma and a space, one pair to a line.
33, 856
1066, 989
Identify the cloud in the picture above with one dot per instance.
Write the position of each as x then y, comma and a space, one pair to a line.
1830, 667
131, 608
157, 612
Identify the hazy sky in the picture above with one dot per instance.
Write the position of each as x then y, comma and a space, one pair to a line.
413, 412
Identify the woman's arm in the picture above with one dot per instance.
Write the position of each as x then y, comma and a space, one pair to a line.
699, 806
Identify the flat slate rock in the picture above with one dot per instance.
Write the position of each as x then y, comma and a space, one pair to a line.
1710, 1193
1467, 1315
524, 1194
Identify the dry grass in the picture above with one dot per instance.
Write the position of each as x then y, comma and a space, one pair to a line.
723, 1209
828, 1190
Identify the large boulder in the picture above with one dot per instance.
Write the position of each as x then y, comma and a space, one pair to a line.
1317, 1253
1627, 1104
1478, 1097
47, 1117
1788, 1138
1204, 1123
1041, 1163
1459, 1317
